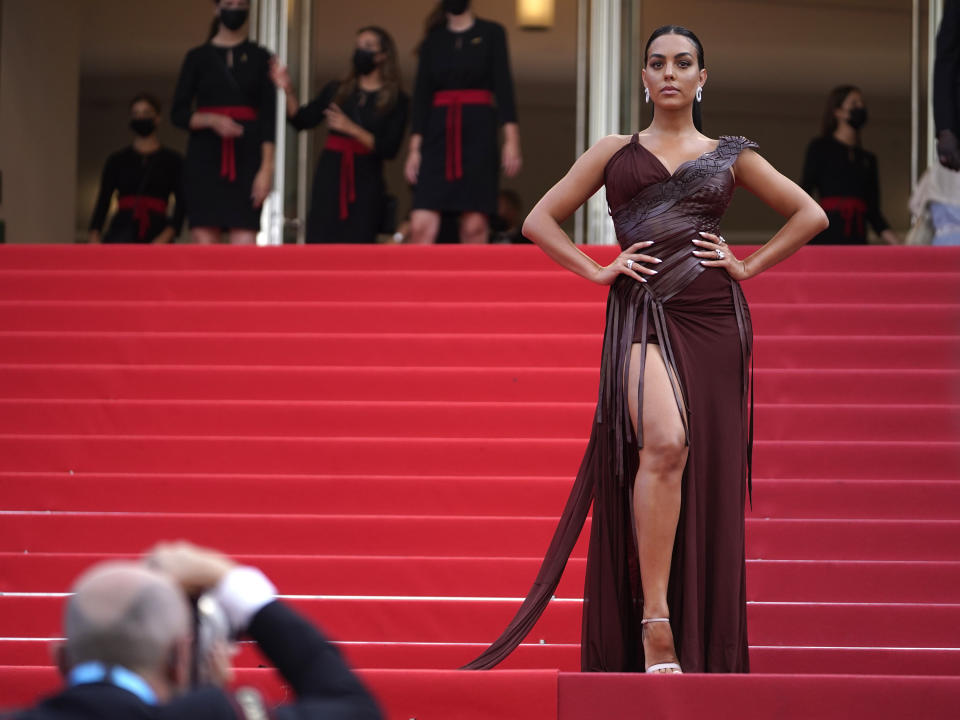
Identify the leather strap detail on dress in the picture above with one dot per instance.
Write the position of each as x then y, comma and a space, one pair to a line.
454, 100
746, 360
228, 147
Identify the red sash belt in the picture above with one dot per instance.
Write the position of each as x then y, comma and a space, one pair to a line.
142, 206
348, 147
228, 149
454, 100
850, 208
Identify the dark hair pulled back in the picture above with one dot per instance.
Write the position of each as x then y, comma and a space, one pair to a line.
389, 71
214, 24
828, 125
435, 20
150, 99
680, 30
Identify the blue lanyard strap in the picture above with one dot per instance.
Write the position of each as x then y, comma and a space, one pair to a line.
94, 672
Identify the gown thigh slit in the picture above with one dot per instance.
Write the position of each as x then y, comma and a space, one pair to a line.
699, 318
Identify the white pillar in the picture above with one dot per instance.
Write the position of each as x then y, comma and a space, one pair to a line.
603, 110
270, 30
934, 16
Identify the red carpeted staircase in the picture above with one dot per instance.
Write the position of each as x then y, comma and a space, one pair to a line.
391, 432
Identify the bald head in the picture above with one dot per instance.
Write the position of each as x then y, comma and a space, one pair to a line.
122, 613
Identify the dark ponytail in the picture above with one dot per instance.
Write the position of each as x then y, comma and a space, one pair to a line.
215, 25
836, 98
679, 30
435, 20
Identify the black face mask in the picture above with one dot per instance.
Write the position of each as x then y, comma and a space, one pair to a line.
857, 117
144, 127
364, 61
233, 19
456, 7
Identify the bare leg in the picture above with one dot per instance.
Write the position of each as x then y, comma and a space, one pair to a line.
424, 226
205, 235
474, 228
656, 494
243, 237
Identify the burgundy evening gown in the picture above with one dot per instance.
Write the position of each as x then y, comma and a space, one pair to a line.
699, 318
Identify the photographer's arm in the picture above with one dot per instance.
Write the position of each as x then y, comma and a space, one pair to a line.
323, 683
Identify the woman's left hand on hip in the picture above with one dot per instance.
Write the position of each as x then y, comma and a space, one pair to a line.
714, 252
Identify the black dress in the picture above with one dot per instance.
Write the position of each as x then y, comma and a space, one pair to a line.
347, 208
699, 317
217, 190
475, 59
946, 71
144, 184
845, 178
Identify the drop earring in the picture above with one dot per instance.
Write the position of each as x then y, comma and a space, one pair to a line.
646, 95
699, 93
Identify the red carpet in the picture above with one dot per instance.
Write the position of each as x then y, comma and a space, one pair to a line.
393, 449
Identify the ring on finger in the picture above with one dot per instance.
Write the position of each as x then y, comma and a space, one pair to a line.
630, 264
720, 255
722, 241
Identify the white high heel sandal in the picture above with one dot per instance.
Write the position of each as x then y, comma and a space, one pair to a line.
660, 668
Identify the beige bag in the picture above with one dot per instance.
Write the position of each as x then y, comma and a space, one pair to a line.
921, 232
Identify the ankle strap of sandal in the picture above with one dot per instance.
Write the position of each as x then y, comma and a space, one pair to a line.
646, 621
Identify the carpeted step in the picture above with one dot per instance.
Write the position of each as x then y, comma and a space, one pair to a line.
767, 580
781, 421
539, 695
451, 384
402, 694
455, 317
437, 495
885, 460
465, 536
463, 350
618, 697
566, 657
435, 257
453, 286
906, 625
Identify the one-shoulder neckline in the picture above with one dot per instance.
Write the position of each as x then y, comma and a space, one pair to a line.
635, 139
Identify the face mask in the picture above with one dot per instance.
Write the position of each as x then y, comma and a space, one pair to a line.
233, 19
364, 62
455, 7
144, 127
857, 118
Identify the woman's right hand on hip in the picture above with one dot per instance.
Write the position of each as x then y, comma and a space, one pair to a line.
631, 262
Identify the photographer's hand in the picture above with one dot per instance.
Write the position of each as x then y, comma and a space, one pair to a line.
240, 590
197, 570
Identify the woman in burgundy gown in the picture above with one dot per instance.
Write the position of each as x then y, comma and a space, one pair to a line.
667, 468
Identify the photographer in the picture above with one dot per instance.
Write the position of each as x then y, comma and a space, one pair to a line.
128, 645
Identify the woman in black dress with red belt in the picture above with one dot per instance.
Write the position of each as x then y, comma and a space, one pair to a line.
464, 90
144, 176
845, 175
225, 98
367, 114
